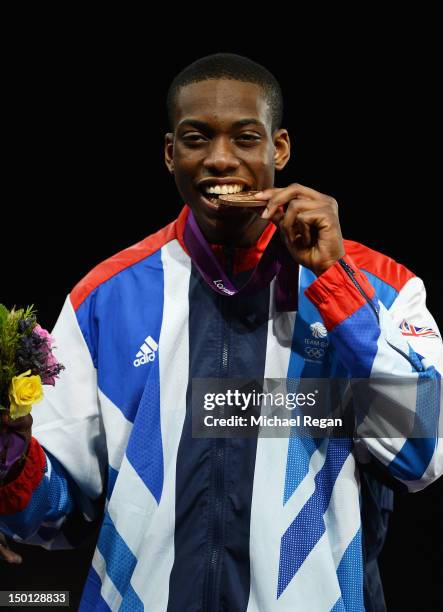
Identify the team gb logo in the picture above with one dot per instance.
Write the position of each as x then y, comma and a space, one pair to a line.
318, 330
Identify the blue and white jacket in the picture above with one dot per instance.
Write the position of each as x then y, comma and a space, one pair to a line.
267, 525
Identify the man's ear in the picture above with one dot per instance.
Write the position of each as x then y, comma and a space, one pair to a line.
282, 149
169, 151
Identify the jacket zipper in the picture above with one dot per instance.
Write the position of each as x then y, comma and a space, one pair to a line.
212, 590
351, 273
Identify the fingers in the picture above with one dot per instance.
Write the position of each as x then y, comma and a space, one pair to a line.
6, 554
302, 228
300, 213
278, 216
301, 233
277, 197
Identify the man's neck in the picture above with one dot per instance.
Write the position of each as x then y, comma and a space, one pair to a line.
231, 238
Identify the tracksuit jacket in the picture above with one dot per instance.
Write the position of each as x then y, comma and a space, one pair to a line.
241, 524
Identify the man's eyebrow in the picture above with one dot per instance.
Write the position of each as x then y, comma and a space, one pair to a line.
202, 125
248, 121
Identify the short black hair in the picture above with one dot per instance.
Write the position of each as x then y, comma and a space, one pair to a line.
229, 66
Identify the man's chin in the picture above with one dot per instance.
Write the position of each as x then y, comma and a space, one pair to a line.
214, 208
223, 224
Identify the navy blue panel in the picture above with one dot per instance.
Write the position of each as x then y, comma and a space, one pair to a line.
211, 571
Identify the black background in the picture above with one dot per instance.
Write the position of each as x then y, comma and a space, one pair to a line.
85, 177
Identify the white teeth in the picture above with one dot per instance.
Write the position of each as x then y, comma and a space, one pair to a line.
222, 189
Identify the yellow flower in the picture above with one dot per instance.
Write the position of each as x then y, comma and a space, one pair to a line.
24, 391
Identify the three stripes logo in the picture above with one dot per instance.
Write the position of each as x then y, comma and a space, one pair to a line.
147, 352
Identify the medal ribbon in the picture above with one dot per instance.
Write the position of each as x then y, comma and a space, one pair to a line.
276, 261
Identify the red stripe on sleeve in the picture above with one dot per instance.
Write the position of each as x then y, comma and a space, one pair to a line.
382, 266
336, 296
133, 254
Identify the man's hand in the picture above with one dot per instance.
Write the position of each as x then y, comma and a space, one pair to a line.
6, 554
308, 222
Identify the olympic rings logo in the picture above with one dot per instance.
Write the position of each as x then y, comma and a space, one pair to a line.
314, 352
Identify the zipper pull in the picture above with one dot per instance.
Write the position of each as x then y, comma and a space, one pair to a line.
346, 266
351, 273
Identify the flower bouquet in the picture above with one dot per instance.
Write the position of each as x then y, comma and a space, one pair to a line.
26, 363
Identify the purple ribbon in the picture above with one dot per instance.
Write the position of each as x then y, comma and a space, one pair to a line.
12, 447
275, 261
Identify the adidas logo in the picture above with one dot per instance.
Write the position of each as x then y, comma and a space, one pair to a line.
147, 352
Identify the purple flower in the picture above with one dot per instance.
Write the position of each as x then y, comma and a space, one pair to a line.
52, 369
35, 353
45, 335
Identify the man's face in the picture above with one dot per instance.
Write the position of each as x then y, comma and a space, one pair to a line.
223, 141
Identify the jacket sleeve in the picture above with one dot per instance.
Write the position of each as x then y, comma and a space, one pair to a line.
64, 473
395, 359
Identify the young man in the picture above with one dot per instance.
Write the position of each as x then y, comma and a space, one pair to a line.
241, 524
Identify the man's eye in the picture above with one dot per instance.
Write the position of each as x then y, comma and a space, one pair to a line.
193, 138
249, 138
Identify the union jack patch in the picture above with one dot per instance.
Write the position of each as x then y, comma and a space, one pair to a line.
419, 332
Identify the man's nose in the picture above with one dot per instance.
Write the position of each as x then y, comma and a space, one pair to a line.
221, 156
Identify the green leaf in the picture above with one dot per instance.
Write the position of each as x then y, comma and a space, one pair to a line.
4, 312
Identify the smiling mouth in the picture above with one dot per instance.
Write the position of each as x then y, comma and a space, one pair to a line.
212, 192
